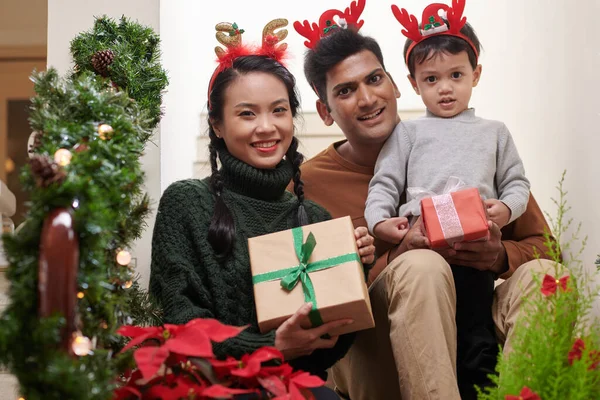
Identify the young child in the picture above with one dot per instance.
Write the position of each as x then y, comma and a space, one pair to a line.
450, 140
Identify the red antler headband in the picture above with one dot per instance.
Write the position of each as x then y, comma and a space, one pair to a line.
230, 35
432, 24
349, 18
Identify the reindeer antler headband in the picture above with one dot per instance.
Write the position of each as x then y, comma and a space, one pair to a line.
432, 24
230, 35
315, 32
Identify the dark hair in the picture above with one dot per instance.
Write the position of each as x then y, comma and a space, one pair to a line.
221, 232
431, 47
330, 51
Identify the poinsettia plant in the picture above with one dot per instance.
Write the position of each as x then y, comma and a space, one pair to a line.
177, 362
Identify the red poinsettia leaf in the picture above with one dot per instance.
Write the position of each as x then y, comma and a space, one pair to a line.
526, 394
295, 393
306, 380
222, 392
267, 354
576, 351
193, 343
250, 370
138, 340
149, 359
229, 362
273, 384
179, 387
284, 371
135, 331
127, 393
215, 330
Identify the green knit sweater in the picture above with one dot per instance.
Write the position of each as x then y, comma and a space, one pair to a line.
190, 281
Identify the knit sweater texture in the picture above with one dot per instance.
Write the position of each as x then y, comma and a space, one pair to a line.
425, 152
191, 281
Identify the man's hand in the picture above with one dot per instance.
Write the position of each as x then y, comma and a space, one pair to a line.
497, 211
488, 255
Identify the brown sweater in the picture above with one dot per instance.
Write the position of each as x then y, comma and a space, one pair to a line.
341, 188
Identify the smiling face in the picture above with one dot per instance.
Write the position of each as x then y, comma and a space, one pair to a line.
362, 99
257, 123
445, 83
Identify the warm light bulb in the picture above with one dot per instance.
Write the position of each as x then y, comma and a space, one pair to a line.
81, 345
80, 295
63, 157
123, 257
127, 285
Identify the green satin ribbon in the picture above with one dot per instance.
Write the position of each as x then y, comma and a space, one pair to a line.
300, 273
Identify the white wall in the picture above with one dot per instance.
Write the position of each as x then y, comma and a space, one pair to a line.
66, 19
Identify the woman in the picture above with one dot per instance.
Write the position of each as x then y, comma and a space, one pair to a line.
200, 263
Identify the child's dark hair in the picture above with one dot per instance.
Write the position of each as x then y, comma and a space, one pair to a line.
221, 232
435, 45
331, 50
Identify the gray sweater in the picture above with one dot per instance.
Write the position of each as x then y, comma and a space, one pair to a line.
426, 151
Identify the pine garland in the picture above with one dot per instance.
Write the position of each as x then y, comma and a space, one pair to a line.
556, 347
136, 64
104, 129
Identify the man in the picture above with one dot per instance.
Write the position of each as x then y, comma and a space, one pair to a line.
411, 354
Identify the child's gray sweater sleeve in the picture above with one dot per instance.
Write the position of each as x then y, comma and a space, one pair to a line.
389, 179
512, 185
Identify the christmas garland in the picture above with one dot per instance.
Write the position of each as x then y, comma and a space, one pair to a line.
90, 130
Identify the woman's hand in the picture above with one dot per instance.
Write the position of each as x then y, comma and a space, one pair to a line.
295, 341
364, 242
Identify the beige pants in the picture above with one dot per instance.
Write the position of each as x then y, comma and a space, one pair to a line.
411, 353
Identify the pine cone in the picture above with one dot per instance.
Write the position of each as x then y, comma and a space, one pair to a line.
101, 60
46, 171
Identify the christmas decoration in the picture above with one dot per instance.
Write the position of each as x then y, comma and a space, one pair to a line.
230, 36
57, 273
350, 17
432, 23
101, 60
177, 361
63, 157
123, 257
135, 68
63, 268
81, 345
105, 131
33, 143
46, 171
555, 345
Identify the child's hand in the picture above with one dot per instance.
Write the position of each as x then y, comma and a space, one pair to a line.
364, 242
392, 230
497, 211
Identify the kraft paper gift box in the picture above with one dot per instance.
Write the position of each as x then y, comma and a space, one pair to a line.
322, 261
454, 217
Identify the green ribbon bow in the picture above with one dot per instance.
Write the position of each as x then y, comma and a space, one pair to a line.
300, 273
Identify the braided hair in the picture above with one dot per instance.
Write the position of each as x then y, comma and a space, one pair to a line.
221, 233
